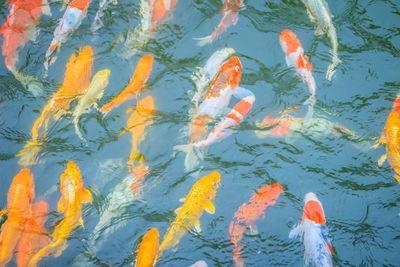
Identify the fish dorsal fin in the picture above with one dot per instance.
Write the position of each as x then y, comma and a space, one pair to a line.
86, 196
209, 207
182, 199
177, 210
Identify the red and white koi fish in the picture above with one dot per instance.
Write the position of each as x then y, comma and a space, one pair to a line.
73, 16
312, 230
295, 58
18, 29
248, 213
230, 11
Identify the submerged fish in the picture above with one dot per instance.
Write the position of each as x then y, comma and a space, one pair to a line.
199, 264
230, 10
18, 29
148, 249
188, 216
391, 139
295, 58
77, 79
312, 231
135, 86
73, 16
319, 13
98, 23
19, 197
248, 213
73, 195
92, 94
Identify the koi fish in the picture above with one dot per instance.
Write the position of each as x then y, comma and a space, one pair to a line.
230, 11
148, 249
19, 197
98, 23
73, 195
92, 94
391, 138
295, 58
318, 12
248, 213
199, 264
71, 20
17, 30
198, 200
135, 86
312, 230
34, 235
77, 79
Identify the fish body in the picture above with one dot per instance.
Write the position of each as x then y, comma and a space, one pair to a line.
135, 86
73, 16
92, 94
230, 17
319, 13
77, 79
312, 230
73, 195
148, 249
198, 200
248, 213
19, 197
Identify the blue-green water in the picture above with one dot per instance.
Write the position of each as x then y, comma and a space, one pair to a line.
359, 198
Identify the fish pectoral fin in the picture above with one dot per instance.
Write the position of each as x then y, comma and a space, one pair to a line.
177, 210
209, 207
182, 199
86, 196
197, 228
381, 160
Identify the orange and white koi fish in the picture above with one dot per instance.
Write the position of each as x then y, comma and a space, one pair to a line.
391, 139
77, 80
148, 249
318, 11
34, 236
73, 16
295, 58
248, 213
312, 231
135, 86
188, 216
73, 195
18, 29
230, 11
19, 197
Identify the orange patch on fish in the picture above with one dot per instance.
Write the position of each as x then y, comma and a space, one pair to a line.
291, 41
80, 4
314, 212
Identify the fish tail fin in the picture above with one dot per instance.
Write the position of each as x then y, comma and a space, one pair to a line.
191, 160
237, 258
54, 248
331, 68
310, 102
31, 83
29, 153
202, 41
77, 131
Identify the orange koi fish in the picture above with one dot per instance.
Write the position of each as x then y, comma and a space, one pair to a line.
230, 11
295, 58
34, 236
391, 138
188, 216
160, 8
19, 197
248, 213
148, 249
77, 79
135, 86
72, 196
312, 230
71, 20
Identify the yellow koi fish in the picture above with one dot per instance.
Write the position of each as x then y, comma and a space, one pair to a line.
77, 79
147, 252
198, 200
72, 196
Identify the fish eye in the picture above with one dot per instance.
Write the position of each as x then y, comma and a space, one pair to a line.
237, 68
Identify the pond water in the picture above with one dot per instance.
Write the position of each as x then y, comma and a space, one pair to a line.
360, 199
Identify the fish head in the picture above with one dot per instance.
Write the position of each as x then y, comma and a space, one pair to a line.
269, 193
104, 74
313, 210
212, 180
232, 68
289, 41
25, 179
396, 105
70, 182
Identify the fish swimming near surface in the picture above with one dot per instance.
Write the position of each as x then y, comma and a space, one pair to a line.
73, 195
391, 139
34, 236
248, 213
135, 86
98, 22
73, 16
312, 230
318, 12
295, 58
76, 81
92, 94
230, 10
148, 249
17, 30
188, 216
